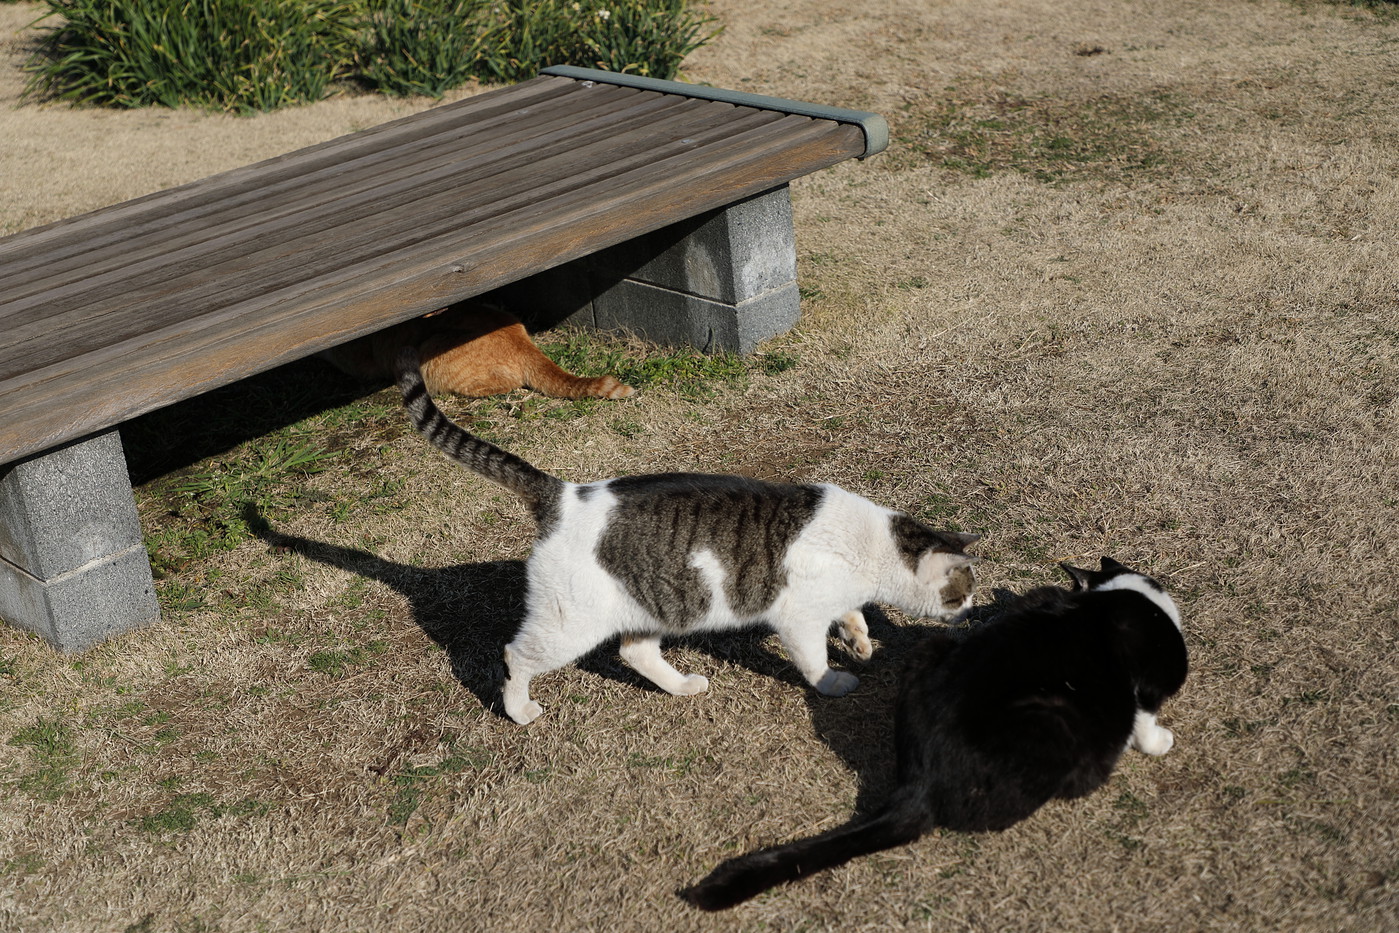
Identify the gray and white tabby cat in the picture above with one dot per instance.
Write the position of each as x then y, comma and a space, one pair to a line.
646, 557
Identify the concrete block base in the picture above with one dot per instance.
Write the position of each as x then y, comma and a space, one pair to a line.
724, 281
666, 316
73, 565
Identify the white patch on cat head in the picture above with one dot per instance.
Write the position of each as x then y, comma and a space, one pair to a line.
1139, 584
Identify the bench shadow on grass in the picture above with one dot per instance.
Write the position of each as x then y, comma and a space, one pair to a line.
178, 436
211, 424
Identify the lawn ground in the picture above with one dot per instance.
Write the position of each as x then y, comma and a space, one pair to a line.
1124, 283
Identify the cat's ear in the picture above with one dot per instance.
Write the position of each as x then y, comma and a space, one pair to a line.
958, 540
1083, 579
1111, 566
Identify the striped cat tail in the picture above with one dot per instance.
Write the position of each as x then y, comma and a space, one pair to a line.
738, 879
537, 488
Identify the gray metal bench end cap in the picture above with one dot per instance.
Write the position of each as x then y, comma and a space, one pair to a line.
874, 126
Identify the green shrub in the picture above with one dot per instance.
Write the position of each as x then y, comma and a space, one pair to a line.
646, 38
237, 55
642, 37
244, 55
425, 46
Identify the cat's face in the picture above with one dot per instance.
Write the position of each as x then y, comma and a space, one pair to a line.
950, 579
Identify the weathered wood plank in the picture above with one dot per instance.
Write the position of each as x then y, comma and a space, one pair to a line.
318, 183
329, 153
165, 284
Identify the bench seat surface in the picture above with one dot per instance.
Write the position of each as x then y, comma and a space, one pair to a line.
111, 314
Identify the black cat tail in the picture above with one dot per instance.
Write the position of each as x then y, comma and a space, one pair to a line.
738, 879
537, 488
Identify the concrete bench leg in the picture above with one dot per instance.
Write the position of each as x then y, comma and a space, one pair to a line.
73, 567
724, 281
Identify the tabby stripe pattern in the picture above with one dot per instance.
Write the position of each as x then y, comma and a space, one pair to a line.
540, 490
662, 522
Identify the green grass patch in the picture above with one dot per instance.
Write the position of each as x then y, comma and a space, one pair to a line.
50, 743
335, 663
212, 499
1050, 139
185, 811
28, 863
413, 783
685, 371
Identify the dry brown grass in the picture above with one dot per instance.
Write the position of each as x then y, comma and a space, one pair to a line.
1188, 361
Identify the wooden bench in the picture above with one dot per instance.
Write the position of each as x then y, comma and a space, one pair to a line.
633, 203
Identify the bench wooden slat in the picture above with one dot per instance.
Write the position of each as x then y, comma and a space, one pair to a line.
126, 266
329, 154
323, 274
243, 262
322, 182
293, 210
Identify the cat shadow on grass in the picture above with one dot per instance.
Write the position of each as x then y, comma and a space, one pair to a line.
473, 610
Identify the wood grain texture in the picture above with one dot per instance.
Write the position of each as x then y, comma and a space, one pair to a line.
112, 314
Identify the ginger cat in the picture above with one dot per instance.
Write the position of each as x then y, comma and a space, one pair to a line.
470, 349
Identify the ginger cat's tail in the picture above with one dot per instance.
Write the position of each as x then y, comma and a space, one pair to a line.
738, 879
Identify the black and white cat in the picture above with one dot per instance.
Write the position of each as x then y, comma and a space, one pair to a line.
1039, 702
645, 557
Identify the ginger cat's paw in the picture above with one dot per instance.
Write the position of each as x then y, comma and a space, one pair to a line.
610, 387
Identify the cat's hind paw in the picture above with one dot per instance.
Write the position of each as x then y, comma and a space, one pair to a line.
855, 636
836, 683
1158, 741
610, 387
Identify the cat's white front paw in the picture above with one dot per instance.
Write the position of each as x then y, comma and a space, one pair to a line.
1157, 741
836, 683
691, 685
525, 713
